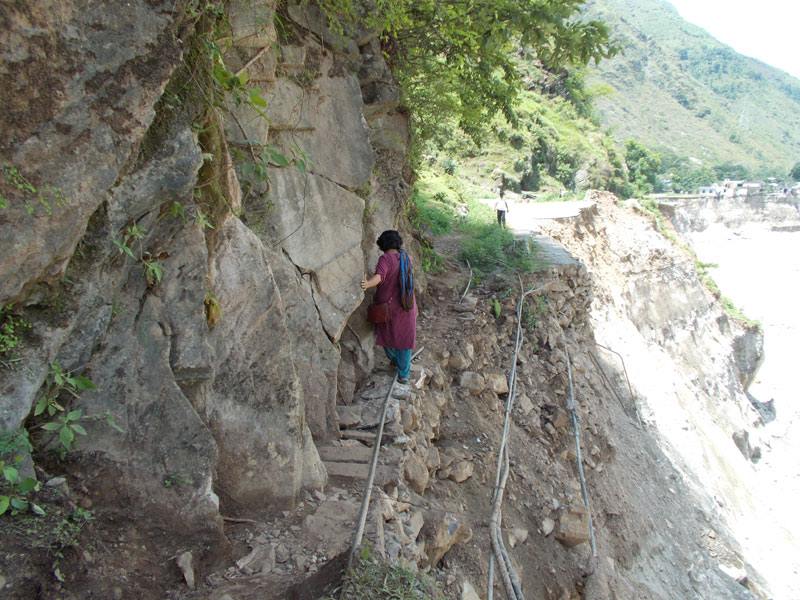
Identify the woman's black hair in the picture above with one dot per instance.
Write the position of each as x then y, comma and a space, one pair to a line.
390, 240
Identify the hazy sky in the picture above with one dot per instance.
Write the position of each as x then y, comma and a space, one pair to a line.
768, 30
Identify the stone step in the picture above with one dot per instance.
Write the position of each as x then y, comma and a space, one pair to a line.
345, 454
383, 473
357, 434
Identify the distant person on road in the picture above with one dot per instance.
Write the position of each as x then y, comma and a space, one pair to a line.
395, 282
501, 206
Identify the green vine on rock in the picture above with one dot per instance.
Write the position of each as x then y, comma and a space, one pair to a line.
46, 197
11, 328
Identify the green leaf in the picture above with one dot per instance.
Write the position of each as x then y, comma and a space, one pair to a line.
11, 474
83, 383
41, 404
74, 415
4, 502
28, 485
256, 98
19, 503
38, 509
78, 428
66, 436
123, 248
113, 423
277, 159
52, 426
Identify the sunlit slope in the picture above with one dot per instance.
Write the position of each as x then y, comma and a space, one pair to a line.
678, 89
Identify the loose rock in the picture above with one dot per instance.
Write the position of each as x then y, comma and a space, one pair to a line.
573, 527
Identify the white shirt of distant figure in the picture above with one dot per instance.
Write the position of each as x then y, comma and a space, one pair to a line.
501, 205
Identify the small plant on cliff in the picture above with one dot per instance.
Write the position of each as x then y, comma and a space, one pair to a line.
496, 308
133, 237
47, 197
213, 309
11, 327
14, 489
60, 390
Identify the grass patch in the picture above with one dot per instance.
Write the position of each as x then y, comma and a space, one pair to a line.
374, 579
444, 203
433, 212
487, 247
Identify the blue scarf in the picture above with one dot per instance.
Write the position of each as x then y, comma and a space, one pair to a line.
406, 282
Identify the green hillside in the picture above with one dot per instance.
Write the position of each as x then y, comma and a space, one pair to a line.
681, 92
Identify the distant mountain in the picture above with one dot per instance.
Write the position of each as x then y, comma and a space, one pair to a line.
679, 90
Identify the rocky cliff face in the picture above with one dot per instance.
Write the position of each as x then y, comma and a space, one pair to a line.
210, 308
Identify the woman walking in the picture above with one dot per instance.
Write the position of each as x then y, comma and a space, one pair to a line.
395, 289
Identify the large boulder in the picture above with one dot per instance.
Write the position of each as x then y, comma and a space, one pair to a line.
256, 405
318, 225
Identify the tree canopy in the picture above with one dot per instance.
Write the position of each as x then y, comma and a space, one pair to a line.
794, 173
457, 59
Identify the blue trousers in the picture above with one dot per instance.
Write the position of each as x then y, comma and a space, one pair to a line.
402, 358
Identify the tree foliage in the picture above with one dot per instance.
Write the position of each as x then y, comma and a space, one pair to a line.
794, 173
644, 165
457, 58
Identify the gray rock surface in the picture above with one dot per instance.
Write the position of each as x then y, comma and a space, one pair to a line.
223, 370
78, 100
318, 225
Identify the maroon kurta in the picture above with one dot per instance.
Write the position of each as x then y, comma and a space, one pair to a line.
400, 332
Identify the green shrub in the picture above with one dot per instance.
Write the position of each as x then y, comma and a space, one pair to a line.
488, 247
433, 213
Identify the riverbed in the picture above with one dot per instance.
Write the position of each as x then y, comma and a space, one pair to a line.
759, 270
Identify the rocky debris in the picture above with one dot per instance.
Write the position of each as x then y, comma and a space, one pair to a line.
475, 383
497, 382
523, 404
458, 361
261, 559
738, 574
416, 473
516, 536
556, 417
748, 353
331, 526
742, 440
573, 526
467, 305
449, 531
282, 553
548, 525
468, 591
185, 564
455, 464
